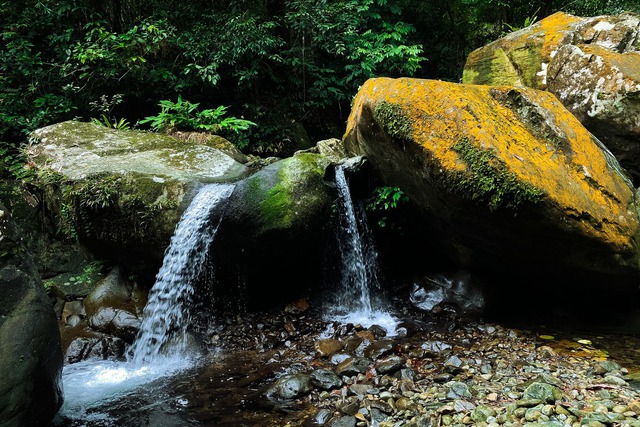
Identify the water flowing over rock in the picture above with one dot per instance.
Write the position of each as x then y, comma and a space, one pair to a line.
274, 233
358, 260
507, 177
590, 64
166, 315
122, 192
30, 353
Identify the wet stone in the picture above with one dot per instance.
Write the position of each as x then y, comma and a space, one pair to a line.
338, 358
453, 365
360, 390
390, 365
325, 379
378, 331
328, 347
322, 417
346, 421
542, 391
353, 366
378, 349
612, 379
458, 390
606, 366
290, 387
463, 406
435, 347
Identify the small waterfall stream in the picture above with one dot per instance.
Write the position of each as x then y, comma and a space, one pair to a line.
166, 315
355, 300
159, 349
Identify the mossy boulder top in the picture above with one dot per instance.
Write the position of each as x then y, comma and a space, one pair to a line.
78, 150
275, 230
521, 58
591, 64
121, 193
507, 175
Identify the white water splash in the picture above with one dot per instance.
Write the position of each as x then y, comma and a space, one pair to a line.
93, 384
355, 303
166, 315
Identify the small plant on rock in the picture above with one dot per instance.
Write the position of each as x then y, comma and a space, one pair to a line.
385, 200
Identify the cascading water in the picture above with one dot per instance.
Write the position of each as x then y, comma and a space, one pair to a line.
157, 351
166, 315
355, 303
354, 266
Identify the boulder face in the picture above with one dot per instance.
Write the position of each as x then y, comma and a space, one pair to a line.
274, 229
509, 179
30, 354
124, 191
591, 64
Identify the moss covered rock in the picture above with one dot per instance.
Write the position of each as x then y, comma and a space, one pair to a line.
275, 227
590, 64
122, 192
30, 354
509, 179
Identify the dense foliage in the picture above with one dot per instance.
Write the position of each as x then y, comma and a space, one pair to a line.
291, 66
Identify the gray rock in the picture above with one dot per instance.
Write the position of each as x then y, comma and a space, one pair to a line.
390, 365
378, 349
353, 366
290, 387
325, 379
30, 352
543, 392
346, 421
123, 189
458, 390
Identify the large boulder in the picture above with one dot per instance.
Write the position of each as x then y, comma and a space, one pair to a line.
30, 353
275, 229
590, 64
122, 192
509, 180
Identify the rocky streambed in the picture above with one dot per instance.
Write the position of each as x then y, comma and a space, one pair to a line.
293, 369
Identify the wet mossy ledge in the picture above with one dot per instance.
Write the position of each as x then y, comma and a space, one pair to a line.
508, 178
121, 191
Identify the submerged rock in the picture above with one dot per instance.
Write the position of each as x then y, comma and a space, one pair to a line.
122, 192
590, 64
499, 173
290, 387
30, 354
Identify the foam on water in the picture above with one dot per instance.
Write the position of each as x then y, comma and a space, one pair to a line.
374, 317
92, 384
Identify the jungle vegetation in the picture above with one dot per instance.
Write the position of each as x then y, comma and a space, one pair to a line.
289, 66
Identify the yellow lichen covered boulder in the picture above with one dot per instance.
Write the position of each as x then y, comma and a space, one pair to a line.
602, 88
521, 58
507, 176
591, 64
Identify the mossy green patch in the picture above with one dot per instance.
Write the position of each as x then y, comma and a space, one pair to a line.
487, 179
116, 207
395, 123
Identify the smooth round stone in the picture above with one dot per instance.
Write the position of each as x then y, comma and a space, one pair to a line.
290, 387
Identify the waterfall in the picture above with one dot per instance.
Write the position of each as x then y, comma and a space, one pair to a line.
166, 315
355, 280
355, 302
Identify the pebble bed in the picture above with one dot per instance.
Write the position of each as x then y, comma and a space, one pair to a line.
444, 373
